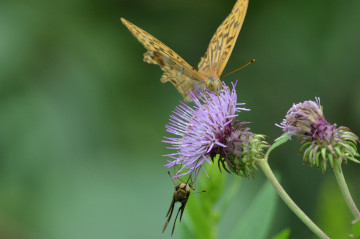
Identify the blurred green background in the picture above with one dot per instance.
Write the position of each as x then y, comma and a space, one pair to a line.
82, 116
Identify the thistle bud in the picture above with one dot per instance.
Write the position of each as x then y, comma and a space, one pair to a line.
242, 152
322, 142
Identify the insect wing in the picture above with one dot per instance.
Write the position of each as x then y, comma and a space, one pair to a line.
223, 41
176, 70
169, 213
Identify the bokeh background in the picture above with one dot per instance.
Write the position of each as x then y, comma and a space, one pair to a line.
82, 116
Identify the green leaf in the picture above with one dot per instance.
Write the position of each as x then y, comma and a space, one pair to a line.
284, 234
215, 183
201, 216
279, 141
327, 216
256, 221
200, 223
185, 231
230, 194
356, 229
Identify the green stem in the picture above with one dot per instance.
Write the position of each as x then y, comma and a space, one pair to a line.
346, 193
288, 201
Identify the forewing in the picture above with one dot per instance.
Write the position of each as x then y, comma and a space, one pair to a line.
169, 214
176, 70
223, 41
171, 208
177, 214
182, 208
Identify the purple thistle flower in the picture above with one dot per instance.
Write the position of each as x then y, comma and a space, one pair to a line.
304, 120
205, 130
322, 142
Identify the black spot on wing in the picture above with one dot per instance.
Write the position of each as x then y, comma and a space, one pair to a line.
229, 40
158, 58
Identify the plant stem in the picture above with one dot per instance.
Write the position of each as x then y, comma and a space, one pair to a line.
288, 201
346, 193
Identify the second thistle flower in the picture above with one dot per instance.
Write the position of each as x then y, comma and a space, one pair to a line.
322, 142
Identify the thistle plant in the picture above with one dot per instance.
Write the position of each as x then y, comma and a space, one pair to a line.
210, 132
210, 128
323, 142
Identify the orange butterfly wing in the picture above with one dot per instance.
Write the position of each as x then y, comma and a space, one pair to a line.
223, 41
176, 70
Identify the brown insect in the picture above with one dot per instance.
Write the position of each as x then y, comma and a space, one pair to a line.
176, 70
181, 194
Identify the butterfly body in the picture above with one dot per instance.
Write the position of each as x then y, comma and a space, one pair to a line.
182, 75
213, 82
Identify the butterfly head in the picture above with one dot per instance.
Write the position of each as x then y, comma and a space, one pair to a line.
213, 83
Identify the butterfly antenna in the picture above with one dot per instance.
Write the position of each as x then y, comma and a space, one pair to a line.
189, 179
203, 191
171, 177
253, 60
195, 174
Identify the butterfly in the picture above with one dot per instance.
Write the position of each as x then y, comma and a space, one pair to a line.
176, 70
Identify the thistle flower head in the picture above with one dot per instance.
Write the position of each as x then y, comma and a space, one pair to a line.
205, 130
322, 141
